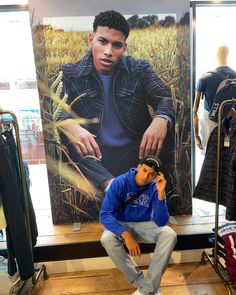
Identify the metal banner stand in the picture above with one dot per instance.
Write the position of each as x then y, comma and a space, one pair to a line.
19, 284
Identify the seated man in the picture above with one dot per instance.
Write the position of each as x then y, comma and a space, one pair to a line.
134, 210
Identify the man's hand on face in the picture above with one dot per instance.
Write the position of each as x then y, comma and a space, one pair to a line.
153, 138
161, 186
82, 140
131, 244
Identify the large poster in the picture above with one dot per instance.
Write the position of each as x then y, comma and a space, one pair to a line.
162, 41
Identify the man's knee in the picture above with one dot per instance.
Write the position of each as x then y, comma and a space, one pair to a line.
169, 234
95, 171
107, 238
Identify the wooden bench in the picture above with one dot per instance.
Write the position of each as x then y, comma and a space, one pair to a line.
61, 242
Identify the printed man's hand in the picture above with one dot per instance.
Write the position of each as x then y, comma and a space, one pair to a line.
161, 186
82, 140
153, 138
131, 244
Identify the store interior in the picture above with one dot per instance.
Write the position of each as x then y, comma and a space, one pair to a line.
19, 93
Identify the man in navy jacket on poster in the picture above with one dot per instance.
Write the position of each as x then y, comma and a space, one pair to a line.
134, 211
117, 90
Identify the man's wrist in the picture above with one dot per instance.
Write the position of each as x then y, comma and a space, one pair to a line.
166, 117
162, 116
161, 196
125, 235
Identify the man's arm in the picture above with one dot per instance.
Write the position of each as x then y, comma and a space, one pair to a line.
153, 138
196, 120
159, 98
107, 217
110, 205
160, 210
82, 140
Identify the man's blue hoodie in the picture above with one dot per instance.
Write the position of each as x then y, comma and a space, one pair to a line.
147, 207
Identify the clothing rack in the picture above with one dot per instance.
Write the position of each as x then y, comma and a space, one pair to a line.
18, 286
214, 258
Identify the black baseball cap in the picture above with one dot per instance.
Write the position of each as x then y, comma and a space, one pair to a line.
152, 162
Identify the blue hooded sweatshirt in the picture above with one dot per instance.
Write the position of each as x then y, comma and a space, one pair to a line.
147, 207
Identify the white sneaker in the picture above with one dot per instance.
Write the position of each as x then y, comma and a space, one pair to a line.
159, 292
137, 292
3, 260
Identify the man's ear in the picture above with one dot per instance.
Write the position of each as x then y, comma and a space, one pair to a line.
139, 166
90, 39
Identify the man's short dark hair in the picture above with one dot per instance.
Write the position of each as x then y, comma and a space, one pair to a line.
113, 20
152, 162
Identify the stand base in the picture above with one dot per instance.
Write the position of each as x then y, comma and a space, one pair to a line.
219, 269
21, 287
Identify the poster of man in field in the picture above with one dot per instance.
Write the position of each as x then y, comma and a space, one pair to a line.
75, 194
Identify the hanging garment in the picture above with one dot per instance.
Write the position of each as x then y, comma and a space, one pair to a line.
206, 186
19, 247
26, 202
231, 185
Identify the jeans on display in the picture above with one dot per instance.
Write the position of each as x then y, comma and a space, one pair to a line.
144, 232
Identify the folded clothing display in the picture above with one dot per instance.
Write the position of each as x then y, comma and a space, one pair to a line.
226, 247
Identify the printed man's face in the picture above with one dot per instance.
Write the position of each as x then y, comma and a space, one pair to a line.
144, 175
108, 46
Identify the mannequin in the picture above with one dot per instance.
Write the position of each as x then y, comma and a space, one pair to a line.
206, 89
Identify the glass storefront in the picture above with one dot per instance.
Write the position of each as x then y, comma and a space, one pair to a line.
19, 94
